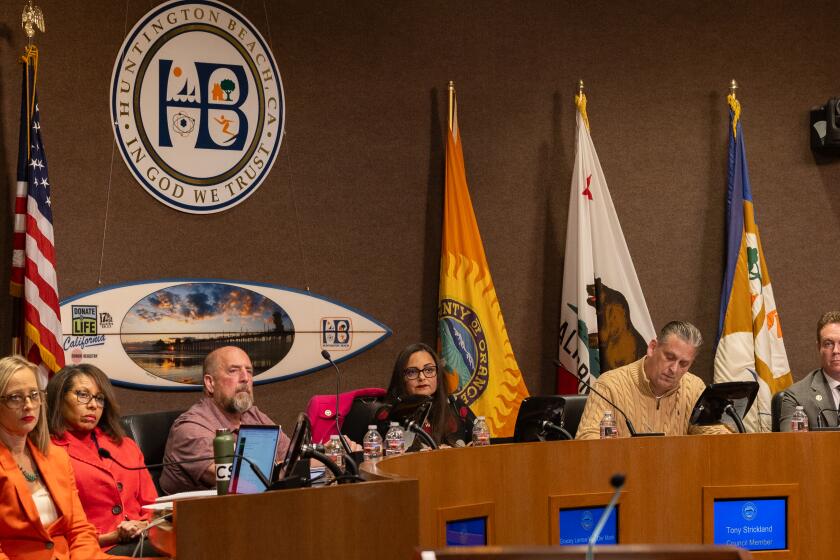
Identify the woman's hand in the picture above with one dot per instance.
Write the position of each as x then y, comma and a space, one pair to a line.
354, 447
129, 530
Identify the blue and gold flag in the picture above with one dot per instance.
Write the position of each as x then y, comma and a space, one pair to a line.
750, 345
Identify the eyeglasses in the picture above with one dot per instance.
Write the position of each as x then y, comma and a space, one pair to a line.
83, 397
16, 400
414, 373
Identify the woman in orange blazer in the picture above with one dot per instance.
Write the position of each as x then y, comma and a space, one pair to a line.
40, 514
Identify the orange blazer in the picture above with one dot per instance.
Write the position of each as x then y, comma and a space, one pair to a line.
70, 537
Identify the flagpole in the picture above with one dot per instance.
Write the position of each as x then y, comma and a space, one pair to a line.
32, 19
451, 102
733, 85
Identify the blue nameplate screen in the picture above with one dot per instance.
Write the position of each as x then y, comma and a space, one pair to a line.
752, 524
467, 532
577, 524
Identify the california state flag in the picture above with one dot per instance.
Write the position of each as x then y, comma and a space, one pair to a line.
479, 364
605, 322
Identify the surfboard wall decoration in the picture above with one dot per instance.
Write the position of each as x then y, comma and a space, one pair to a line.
154, 335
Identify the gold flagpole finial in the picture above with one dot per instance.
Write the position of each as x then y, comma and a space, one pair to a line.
32, 18
451, 102
735, 105
580, 103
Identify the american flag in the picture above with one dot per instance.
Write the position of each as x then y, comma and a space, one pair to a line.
33, 257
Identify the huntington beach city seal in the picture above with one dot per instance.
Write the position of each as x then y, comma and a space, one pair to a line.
197, 105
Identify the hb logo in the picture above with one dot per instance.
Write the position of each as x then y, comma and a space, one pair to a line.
84, 320
336, 332
220, 101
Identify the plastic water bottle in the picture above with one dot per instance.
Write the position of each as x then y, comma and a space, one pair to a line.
372, 444
223, 445
480, 432
333, 450
394, 440
609, 430
799, 421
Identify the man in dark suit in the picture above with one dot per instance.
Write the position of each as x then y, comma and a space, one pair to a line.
819, 391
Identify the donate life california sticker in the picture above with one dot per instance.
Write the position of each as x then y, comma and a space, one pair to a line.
197, 105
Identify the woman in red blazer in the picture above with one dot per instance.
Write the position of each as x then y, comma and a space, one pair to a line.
84, 417
41, 517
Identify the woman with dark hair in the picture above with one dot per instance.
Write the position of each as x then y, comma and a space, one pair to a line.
84, 417
418, 371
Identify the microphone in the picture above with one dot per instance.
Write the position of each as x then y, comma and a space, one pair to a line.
820, 416
546, 426
427, 439
627, 421
309, 452
344, 444
617, 482
822, 421
466, 414
730, 410
416, 423
824, 425
105, 454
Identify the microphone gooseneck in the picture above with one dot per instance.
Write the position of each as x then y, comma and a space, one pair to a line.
616, 481
105, 454
421, 433
730, 410
309, 452
546, 426
326, 355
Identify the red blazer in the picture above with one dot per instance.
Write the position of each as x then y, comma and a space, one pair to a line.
109, 493
22, 536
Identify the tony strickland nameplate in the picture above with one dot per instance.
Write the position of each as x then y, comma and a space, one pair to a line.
197, 105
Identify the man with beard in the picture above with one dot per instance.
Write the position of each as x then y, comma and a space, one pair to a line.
228, 402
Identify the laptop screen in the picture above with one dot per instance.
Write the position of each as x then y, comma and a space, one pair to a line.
259, 444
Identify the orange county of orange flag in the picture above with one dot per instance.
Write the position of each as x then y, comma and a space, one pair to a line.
480, 367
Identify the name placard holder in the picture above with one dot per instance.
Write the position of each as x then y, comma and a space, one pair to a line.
595, 501
449, 516
761, 518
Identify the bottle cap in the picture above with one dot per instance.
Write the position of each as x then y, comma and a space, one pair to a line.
479, 417
222, 432
334, 437
800, 408
394, 424
372, 427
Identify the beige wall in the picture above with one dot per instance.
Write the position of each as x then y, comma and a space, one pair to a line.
352, 208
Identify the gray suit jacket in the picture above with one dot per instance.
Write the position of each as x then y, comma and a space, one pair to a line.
814, 394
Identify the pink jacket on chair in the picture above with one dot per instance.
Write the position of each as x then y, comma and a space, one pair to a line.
321, 411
